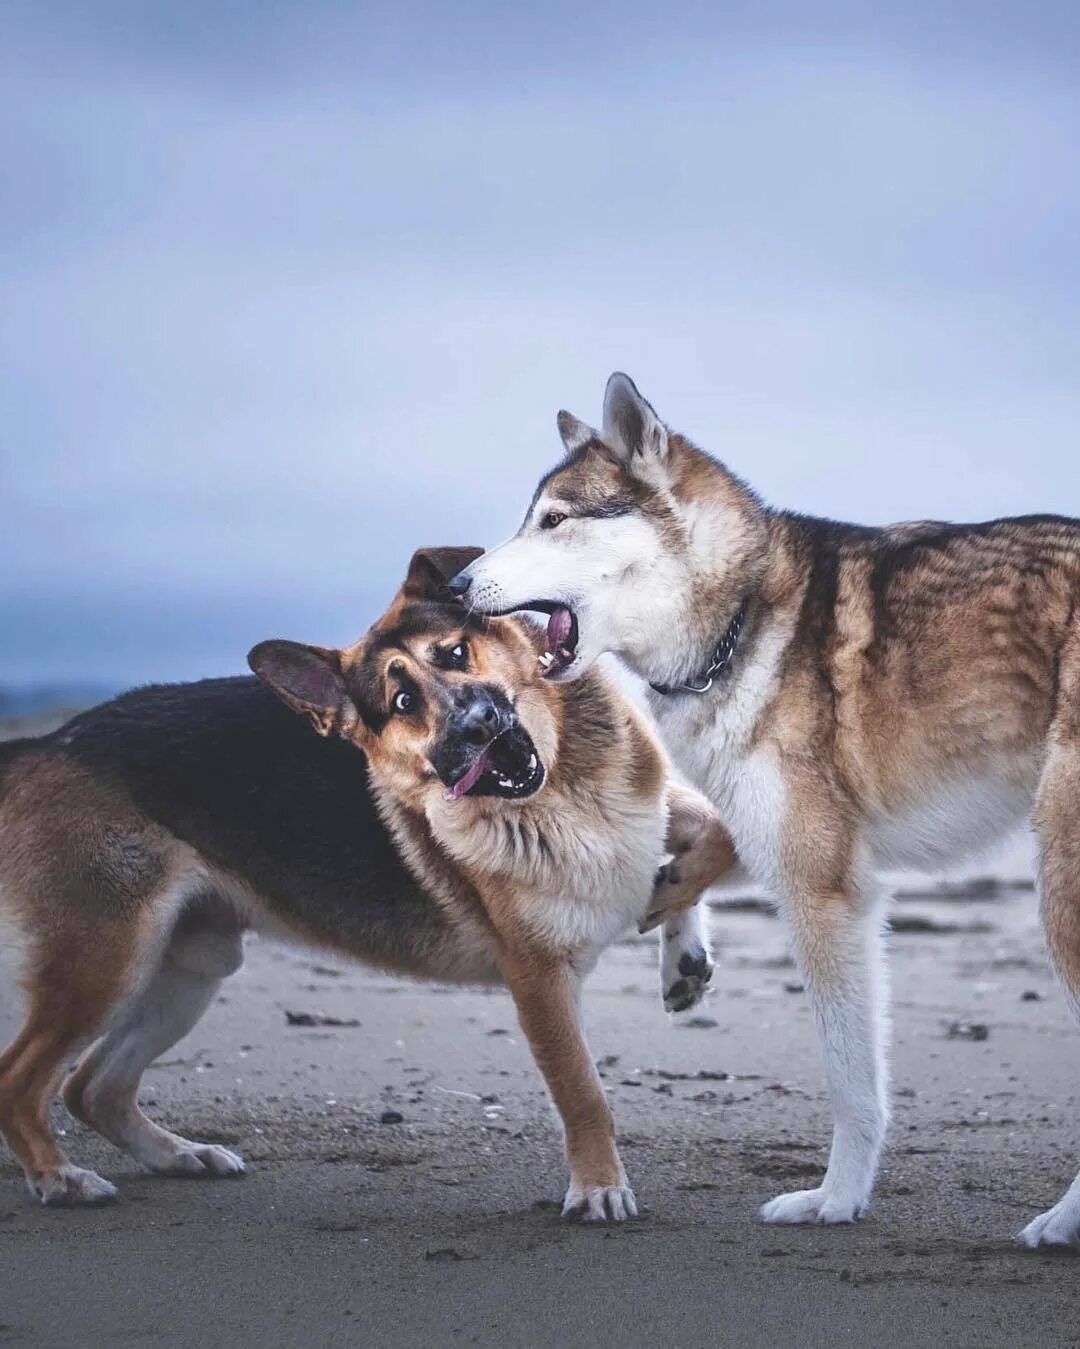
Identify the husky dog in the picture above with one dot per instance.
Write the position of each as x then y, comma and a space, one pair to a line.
503, 828
847, 697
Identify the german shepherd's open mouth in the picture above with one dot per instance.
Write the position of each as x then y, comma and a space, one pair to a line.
508, 765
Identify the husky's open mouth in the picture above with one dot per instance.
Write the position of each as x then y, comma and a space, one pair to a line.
507, 766
562, 634
562, 639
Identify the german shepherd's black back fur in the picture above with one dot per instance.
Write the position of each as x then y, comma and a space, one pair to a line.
225, 766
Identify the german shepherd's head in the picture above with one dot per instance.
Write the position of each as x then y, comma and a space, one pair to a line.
440, 700
637, 543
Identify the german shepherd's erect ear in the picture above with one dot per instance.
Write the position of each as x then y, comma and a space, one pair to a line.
431, 568
309, 680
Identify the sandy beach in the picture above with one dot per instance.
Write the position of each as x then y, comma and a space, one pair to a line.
405, 1168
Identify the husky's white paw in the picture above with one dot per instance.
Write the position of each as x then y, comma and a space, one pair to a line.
609, 1203
1058, 1226
202, 1161
812, 1206
71, 1185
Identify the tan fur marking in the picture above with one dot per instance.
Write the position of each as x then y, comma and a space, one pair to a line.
545, 998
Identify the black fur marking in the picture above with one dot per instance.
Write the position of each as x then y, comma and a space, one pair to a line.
609, 510
678, 995
225, 766
695, 962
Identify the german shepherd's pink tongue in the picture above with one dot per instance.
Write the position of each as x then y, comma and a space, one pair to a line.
469, 778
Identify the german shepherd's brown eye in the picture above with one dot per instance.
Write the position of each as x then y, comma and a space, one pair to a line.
404, 701
552, 520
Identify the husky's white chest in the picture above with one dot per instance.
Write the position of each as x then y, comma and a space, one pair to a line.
745, 785
710, 739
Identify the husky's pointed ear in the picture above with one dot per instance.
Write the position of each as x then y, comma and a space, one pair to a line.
431, 568
631, 428
309, 680
574, 433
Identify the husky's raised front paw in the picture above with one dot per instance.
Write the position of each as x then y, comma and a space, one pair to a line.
812, 1206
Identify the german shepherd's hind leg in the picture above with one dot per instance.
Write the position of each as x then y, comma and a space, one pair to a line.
701, 852
839, 944
1057, 818
75, 983
103, 1089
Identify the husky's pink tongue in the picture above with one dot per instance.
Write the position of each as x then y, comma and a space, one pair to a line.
469, 778
559, 625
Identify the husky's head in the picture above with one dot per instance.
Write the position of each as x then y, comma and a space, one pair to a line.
636, 543
446, 705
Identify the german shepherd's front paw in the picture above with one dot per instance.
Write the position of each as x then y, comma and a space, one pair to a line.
68, 1186
599, 1203
670, 896
674, 894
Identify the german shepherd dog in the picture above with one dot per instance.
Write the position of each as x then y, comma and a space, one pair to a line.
503, 828
846, 697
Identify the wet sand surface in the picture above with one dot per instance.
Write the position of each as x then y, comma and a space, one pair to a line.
405, 1169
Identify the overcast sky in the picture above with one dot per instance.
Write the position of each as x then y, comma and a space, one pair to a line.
287, 290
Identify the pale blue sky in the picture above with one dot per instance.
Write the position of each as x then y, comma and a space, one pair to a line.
289, 289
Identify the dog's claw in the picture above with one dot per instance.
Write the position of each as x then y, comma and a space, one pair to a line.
609, 1203
201, 1161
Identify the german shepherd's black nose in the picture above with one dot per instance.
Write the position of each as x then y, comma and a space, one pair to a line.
458, 585
478, 721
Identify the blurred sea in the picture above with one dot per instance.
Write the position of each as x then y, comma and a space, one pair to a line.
31, 700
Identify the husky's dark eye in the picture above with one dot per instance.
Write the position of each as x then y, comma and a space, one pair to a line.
404, 701
552, 520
